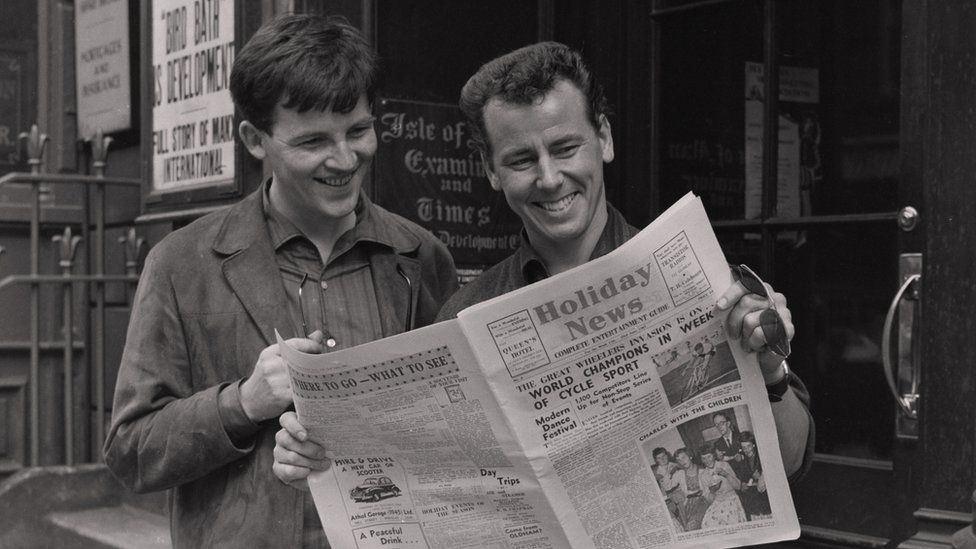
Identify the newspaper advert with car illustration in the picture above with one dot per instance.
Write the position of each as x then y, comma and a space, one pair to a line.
554, 416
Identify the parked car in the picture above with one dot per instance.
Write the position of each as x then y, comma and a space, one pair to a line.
373, 489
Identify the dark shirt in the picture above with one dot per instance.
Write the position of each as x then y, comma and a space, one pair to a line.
337, 298
337, 294
525, 267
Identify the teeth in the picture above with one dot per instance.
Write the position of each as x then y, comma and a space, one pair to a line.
558, 205
335, 182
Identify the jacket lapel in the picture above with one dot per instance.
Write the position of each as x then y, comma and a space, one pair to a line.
250, 268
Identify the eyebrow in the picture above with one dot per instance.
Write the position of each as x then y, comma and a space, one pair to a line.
516, 152
507, 154
571, 138
367, 120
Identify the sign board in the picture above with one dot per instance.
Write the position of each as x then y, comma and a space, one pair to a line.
428, 171
193, 47
102, 64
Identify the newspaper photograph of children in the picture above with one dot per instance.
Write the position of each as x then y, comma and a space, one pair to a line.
708, 471
703, 362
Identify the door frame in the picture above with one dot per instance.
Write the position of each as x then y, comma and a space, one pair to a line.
941, 113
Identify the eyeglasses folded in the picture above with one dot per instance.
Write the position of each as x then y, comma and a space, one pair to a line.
773, 327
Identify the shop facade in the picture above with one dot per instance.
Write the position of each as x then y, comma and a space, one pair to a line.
868, 229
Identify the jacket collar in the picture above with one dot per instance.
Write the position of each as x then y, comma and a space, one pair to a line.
373, 224
252, 273
250, 269
243, 226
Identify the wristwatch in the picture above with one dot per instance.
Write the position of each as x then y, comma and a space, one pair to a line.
778, 389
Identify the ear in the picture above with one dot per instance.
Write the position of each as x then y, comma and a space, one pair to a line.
252, 138
490, 172
606, 139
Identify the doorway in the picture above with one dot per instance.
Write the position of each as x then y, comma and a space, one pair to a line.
826, 234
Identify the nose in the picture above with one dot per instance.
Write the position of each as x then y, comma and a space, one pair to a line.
549, 174
342, 158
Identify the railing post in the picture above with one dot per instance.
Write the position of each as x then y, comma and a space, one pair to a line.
36, 143
131, 249
100, 146
68, 247
77, 394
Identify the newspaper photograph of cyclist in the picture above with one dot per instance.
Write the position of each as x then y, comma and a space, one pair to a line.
702, 363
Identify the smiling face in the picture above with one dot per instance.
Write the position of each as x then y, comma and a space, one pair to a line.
547, 158
748, 448
683, 459
661, 458
318, 159
708, 459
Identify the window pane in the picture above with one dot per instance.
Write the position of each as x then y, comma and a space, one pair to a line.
838, 105
855, 47
702, 132
838, 282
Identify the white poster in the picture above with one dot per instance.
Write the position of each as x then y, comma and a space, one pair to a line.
799, 88
193, 114
102, 66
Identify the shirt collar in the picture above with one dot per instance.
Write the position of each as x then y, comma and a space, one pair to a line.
615, 233
282, 230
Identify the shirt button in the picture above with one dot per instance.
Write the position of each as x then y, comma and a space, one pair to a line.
325, 285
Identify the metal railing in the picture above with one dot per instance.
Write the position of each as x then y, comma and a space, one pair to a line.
95, 279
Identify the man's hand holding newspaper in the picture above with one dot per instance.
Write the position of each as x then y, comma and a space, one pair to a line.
556, 415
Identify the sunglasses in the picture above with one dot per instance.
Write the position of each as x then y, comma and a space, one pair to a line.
773, 327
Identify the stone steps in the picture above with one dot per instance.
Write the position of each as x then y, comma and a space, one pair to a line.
122, 526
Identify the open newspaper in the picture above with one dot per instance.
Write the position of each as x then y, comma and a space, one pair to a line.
585, 410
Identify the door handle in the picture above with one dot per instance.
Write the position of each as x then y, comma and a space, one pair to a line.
906, 369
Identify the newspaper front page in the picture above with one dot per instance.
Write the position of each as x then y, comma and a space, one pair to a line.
602, 407
422, 455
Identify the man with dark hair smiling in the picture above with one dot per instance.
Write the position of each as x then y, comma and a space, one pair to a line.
540, 120
202, 382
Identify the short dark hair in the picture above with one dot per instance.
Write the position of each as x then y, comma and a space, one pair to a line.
523, 77
306, 61
747, 436
661, 451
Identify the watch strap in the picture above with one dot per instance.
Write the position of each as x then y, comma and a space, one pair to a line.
778, 389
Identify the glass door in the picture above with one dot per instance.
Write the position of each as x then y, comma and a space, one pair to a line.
826, 234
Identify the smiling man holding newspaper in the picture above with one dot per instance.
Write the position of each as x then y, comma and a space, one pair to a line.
307, 254
544, 135
542, 125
